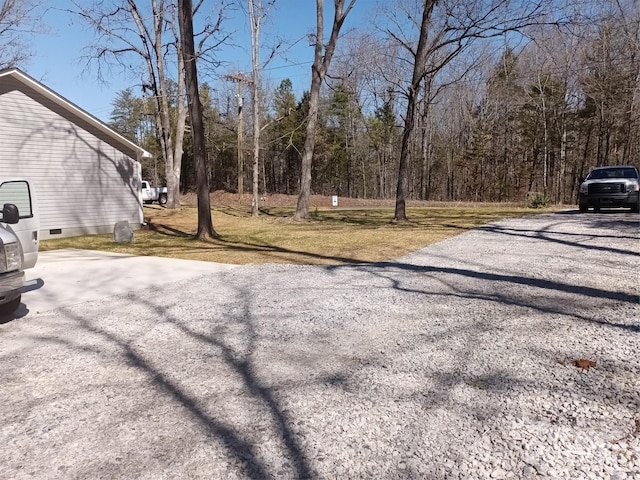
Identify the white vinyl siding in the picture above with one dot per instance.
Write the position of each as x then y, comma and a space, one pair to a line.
82, 183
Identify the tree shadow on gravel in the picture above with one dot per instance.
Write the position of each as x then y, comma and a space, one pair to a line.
237, 353
242, 449
237, 447
563, 238
386, 270
241, 363
513, 279
440, 394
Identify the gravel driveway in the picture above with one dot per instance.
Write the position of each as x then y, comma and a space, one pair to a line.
453, 362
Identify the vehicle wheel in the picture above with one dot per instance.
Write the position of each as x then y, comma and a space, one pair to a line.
10, 307
163, 199
583, 208
596, 209
636, 208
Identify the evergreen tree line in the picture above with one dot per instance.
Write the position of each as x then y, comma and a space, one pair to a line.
532, 119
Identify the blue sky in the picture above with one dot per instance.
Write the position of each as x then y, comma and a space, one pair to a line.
57, 61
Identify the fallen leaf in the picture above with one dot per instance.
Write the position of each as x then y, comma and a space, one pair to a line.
584, 364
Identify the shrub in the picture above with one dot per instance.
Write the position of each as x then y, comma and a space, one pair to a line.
538, 200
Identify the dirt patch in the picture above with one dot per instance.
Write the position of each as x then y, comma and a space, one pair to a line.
221, 198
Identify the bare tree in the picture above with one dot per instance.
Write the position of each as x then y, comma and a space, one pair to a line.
255, 20
445, 30
205, 226
18, 19
630, 14
125, 30
419, 72
614, 82
138, 39
321, 61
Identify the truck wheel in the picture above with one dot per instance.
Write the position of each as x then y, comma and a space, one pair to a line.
10, 307
163, 199
584, 208
636, 207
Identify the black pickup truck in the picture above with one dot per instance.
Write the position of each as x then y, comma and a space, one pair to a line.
607, 187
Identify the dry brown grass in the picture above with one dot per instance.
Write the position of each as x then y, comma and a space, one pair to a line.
332, 236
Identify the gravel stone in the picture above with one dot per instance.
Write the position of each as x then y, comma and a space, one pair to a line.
498, 473
455, 361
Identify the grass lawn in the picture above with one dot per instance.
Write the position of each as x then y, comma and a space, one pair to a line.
332, 236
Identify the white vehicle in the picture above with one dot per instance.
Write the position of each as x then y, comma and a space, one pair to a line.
153, 194
613, 186
19, 227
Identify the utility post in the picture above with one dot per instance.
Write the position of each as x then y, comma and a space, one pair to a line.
240, 79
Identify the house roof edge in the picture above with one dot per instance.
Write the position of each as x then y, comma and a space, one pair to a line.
73, 108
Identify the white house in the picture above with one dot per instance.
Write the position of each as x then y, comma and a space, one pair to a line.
86, 176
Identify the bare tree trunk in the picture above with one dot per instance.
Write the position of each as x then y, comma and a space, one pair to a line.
426, 147
255, 16
321, 62
155, 66
181, 121
173, 180
545, 123
302, 208
205, 226
240, 140
562, 193
419, 67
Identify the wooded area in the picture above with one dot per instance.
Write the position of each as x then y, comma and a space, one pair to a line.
505, 100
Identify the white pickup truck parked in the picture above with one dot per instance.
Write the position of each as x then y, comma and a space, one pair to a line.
19, 227
153, 194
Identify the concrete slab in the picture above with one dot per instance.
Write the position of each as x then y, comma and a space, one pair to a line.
62, 278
